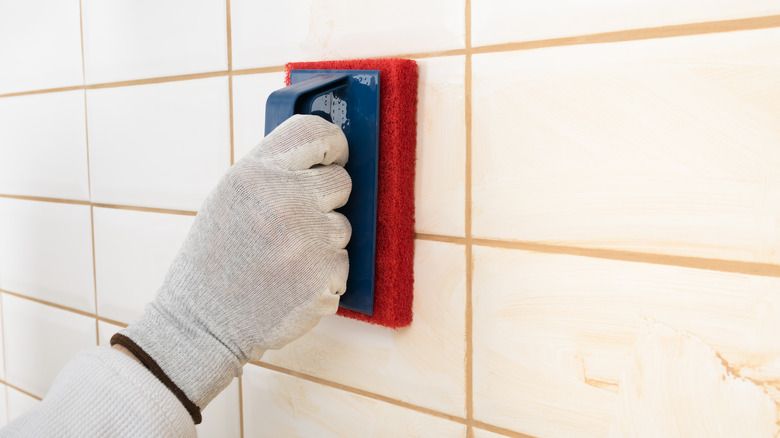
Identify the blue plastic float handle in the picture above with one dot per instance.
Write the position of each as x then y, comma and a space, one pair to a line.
296, 98
357, 91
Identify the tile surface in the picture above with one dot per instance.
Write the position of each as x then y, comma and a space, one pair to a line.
221, 418
250, 93
105, 331
19, 403
270, 34
665, 146
159, 145
421, 364
44, 340
479, 433
46, 252
277, 405
43, 145
671, 368
3, 406
133, 251
553, 334
40, 45
135, 39
503, 21
440, 180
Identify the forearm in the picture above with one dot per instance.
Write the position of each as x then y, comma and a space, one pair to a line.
105, 392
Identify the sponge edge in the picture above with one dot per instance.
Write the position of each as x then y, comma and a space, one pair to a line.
394, 276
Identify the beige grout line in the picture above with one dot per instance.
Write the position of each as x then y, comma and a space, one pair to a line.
258, 70
500, 430
677, 30
692, 29
230, 79
232, 160
45, 199
111, 321
94, 272
731, 266
158, 80
48, 303
241, 406
469, 321
360, 392
42, 91
5, 382
146, 209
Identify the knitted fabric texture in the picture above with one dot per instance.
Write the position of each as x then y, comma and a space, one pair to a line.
263, 262
104, 393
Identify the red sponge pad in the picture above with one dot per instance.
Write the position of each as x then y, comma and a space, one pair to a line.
394, 278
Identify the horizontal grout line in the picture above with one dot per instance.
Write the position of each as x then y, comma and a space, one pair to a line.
48, 303
732, 266
42, 91
256, 70
20, 390
361, 392
158, 80
101, 205
710, 264
677, 30
146, 209
44, 199
500, 430
111, 321
441, 238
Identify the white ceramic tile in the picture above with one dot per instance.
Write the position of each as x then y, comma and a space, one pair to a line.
222, 417
158, 145
3, 406
105, 332
250, 93
19, 403
46, 252
267, 34
133, 251
43, 145
421, 364
553, 334
40, 45
278, 405
664, 146
502, 21
132, 39
440, 176
40, 340
677, 385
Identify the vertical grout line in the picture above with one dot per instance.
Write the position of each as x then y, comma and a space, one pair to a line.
230, 79
94, 272
232, 160
230, 111
89, 178
241, 405
469, 262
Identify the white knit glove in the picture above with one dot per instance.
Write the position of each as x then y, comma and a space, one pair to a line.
263, 262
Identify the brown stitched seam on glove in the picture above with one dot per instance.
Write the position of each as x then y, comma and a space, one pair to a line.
155, 369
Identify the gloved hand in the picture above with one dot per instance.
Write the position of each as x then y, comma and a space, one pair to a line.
263, 262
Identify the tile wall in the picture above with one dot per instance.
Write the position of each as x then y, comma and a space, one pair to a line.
597, 197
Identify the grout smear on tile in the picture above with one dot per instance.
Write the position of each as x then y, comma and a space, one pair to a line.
677, 386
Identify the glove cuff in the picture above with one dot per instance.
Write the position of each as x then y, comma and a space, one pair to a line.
191, 363
154, 368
